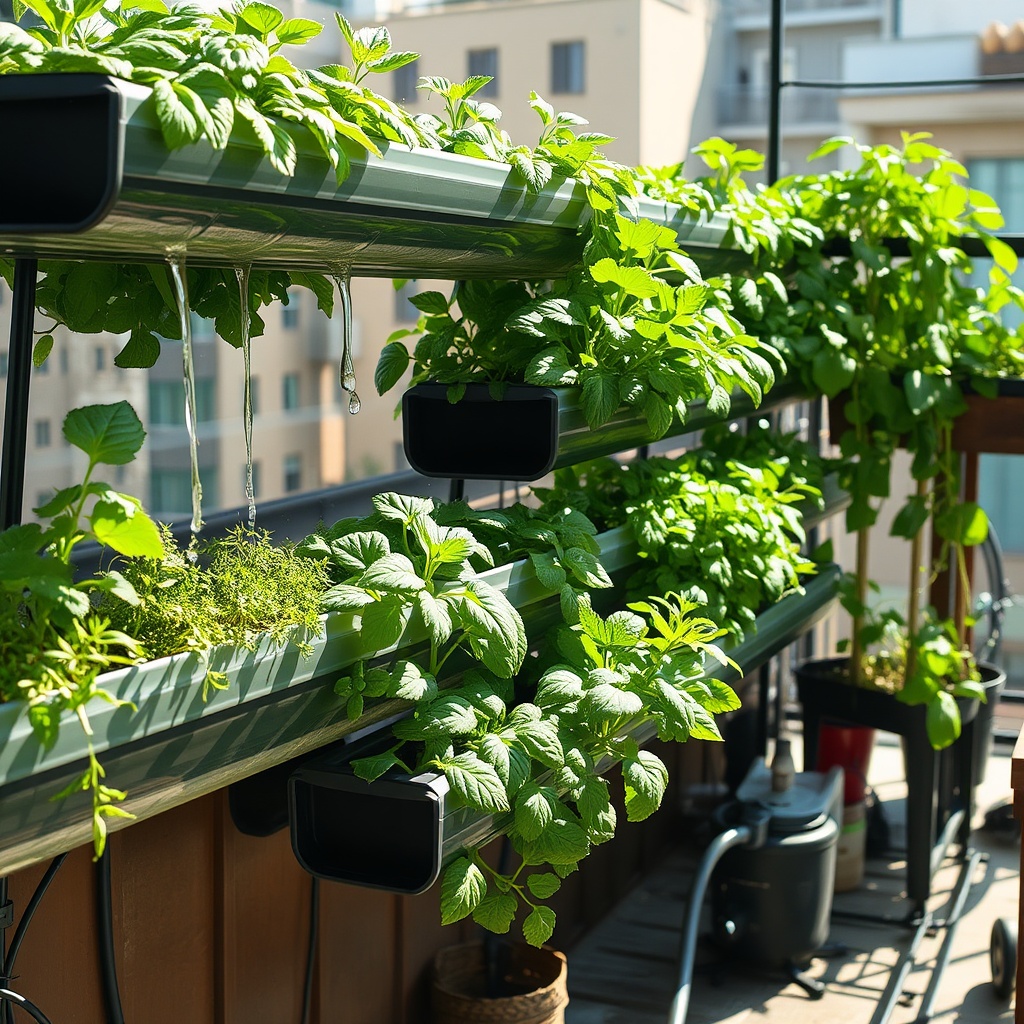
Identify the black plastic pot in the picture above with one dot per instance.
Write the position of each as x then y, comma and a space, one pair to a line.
932, 797
395, 833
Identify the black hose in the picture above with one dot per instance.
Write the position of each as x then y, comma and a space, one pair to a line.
314, 925
12, 998
105, 924
19, 937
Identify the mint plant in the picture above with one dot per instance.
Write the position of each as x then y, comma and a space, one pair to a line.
56, 643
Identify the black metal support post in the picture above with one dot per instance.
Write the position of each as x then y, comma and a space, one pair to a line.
775, 92
19, 374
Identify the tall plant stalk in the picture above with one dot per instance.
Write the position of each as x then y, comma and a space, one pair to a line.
914, 607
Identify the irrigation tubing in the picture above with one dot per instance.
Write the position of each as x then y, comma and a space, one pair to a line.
105, 924
314, 927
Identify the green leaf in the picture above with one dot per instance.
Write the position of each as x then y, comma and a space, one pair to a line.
402, 507
832, 370
550, 574
634, 281
535, 810
435, 616
178, 123
599, 397
391, 366
261, 17
358, 551
462, 890
41, 350
345, 598
116, 585
496, 912
140, 352
544, 886
119, 522
111, 434
942, 720
539, 926
965, 523
646, 779
550, 368
298, 30
586, 568
372, 768
608, 702
394, 572
496, 632
910, 518
383, 623
410, 682
476, 782
562, 842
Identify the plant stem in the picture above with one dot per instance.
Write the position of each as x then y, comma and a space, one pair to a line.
860, 595
914, 610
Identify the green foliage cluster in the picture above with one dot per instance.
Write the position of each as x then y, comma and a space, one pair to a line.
215, 75
56, 643
722, 524
615, 328
230, 590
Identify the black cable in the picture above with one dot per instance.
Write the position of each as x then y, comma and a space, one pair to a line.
30, 909
314, 925
105, 925
22, 929
12, 998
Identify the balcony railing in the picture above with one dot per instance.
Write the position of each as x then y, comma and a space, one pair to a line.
744, 105
794, 6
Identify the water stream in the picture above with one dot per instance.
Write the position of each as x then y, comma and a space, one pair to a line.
177, 265
346, 374
242, 274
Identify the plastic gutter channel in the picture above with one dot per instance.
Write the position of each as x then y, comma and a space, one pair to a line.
578, 443
413, 213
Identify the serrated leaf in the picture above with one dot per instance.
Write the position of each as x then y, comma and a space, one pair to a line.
435, 616
383, 623
112, 434
535, 810
476, 782
410, 682
345, 597
608, 702
495, 630
562, 842
544, 886
393, 572
298, 30
140, 351
599, 397
462, 890
586, 568
496, 912
646, 779
550, 574
403, 508
539, 926
358, 551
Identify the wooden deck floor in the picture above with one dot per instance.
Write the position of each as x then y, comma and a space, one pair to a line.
625, 970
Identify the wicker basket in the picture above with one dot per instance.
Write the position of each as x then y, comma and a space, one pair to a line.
530, 985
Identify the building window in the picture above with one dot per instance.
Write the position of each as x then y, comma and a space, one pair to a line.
567, 71
167, 402
100, 357
43, 439
170, 491
405, 82
290, 313
290, 391
485, 62
292, 473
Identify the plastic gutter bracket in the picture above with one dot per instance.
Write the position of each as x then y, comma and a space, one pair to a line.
414, 213
400, 831
532, 430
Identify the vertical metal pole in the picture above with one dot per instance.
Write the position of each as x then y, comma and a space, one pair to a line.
19, 375
775, 92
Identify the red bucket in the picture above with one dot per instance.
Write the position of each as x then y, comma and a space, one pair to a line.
848, 746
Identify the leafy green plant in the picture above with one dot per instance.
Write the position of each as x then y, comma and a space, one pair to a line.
616, 329
543, 762
56, 643
230, 590
722, 524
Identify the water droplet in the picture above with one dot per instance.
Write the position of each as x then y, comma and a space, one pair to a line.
348, 381
177, 265
354, 405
